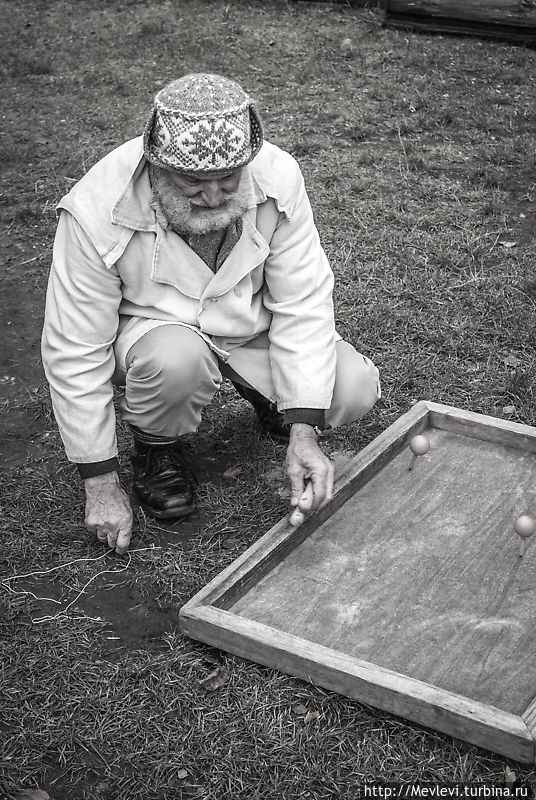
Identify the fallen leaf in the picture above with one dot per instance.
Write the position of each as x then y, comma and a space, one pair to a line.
194, 791
511, 360
310, 716
509, 776
230, 543
231, 473
32, 794
182, 773
298, 709
213, 680
508, 244
210, 659
509, 410
209, 677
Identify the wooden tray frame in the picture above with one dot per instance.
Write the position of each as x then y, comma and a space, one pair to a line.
207, 616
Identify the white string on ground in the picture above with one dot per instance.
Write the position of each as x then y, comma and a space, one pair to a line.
61, 614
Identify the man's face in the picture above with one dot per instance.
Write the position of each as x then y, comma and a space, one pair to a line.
201, 205
206, 193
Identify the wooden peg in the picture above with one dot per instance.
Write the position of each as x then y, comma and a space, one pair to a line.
524, 527
419, 445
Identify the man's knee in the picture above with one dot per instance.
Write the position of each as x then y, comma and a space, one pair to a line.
172, 351
357, 386
172, 358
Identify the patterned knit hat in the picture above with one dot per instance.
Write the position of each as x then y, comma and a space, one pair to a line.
202, 124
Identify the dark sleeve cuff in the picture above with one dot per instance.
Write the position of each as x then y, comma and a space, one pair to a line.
310, 416
98, 468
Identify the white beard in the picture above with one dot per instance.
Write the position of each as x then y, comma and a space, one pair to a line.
185, 216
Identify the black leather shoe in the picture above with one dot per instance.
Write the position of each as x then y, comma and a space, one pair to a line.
163, 481
270, 419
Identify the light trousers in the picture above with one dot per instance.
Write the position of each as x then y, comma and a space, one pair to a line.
171, 374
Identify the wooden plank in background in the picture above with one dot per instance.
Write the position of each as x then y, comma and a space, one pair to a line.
505, 19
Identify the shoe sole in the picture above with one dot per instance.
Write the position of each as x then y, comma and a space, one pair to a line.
177, 513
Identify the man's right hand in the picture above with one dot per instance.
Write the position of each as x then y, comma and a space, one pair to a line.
108, 511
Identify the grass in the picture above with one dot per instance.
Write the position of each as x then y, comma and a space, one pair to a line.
418, 152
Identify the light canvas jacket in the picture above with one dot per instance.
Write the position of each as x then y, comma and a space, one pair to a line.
117, 273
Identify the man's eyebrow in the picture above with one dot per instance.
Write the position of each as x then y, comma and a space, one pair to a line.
201, 179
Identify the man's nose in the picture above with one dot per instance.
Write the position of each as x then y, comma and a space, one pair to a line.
212, 194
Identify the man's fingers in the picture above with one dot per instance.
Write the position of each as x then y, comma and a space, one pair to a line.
307, 497
302, 504
116, 540
112, 539
104, 533
322, 486
297, 486
311, 478
100, 531
123, 540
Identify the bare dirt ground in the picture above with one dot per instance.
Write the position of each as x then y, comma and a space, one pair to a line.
21, 371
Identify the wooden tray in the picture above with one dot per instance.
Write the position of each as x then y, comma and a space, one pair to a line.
407, 591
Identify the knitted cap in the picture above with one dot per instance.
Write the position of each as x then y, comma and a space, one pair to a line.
202, 124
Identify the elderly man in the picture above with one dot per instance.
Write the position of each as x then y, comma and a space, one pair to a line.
184, 256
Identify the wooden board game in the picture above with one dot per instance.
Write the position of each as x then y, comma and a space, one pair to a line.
407, 591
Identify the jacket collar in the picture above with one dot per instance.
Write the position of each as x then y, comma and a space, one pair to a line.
133, 209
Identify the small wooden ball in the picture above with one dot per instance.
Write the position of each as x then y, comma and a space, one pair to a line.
525, 526
297, 517
419, 445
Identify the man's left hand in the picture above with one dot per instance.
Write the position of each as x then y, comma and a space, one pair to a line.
310, 473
